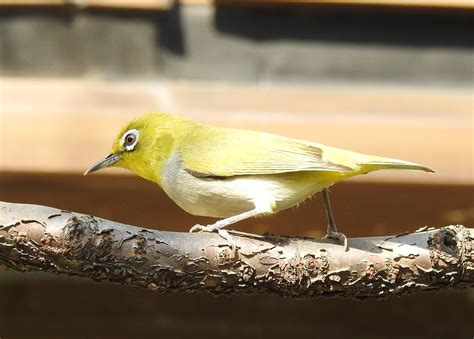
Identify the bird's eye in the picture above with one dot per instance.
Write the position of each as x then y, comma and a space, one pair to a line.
130, 139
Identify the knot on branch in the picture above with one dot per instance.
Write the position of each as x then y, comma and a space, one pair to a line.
444, 241
78, 238
446, 247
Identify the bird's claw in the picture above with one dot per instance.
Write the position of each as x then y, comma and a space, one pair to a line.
211, 229
202, 228
340, 237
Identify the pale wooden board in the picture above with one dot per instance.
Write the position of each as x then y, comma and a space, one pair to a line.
58, 125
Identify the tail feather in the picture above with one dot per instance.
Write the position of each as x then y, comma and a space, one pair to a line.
388, 163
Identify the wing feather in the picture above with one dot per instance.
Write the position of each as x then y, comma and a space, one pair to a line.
213, 151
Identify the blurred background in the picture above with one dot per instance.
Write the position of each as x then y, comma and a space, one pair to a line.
388, 77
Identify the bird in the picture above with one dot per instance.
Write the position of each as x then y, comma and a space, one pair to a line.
235, 174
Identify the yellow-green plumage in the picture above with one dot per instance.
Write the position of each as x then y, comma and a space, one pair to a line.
231, 173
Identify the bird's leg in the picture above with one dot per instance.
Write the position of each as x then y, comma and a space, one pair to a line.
221, 224
332, 232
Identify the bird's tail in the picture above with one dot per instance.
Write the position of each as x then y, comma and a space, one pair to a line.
373, 163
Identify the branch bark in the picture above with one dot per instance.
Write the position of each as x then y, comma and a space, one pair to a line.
42, 238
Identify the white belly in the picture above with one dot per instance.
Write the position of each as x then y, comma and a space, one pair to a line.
222, 198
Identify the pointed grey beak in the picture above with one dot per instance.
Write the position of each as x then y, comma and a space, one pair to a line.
108, 161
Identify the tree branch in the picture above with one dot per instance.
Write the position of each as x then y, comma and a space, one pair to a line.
43, 238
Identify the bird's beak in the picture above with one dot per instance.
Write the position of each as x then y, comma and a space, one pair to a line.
108, 161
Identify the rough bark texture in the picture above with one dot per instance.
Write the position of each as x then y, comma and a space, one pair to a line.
42, 238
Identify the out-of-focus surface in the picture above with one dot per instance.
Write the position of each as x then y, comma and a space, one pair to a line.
81, 121
386, 80
38, 303
361, 208
167, 4
284, 44
67, 307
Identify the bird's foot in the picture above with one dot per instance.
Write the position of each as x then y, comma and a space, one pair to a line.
202, 228
340, 237
223, 233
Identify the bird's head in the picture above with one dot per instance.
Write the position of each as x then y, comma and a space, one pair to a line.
141, 146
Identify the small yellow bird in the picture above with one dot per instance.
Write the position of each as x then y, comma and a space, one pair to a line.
235, 174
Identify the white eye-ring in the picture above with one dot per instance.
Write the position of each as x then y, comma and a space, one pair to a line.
130, 139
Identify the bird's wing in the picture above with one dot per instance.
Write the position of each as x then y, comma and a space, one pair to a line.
212, 151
